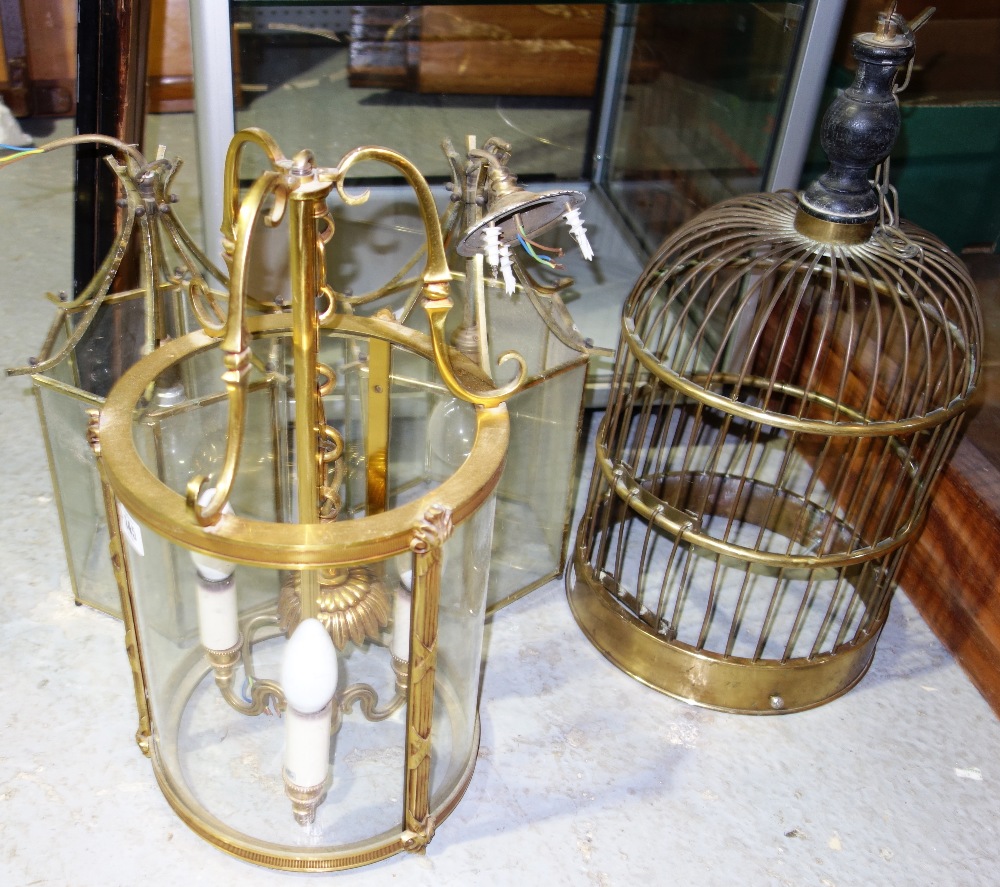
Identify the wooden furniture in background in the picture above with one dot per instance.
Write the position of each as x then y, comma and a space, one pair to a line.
50, 27
39, 40
170, 83
538, 50
952, 572
13, 58
548, 50
39, 77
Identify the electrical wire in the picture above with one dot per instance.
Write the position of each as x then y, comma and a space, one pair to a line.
18, 152
528, 248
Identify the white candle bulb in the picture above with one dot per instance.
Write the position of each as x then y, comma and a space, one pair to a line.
506, 271
579, 233
218, 613
212, 569
309, 681
399, 643
309, 667
491, 240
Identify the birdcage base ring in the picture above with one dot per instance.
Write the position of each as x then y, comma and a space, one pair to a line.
708, 679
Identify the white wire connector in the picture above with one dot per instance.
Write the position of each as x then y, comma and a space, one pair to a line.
579, 233
505, 270
491, 240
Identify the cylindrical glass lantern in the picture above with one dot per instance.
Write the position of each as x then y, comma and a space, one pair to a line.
399, 582
790, 379
286, 543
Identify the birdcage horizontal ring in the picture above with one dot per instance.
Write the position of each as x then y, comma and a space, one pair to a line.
755, 506
695, 387
725, 683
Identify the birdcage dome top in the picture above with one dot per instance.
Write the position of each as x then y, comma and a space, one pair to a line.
740, 309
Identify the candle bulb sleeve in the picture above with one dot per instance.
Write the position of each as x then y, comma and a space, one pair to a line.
399, 643
307, 746
212, 569
218, 613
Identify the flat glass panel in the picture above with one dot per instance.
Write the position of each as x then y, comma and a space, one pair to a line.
78, 494
535, 499
698, 105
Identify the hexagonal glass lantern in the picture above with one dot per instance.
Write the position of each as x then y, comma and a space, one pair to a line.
96, 337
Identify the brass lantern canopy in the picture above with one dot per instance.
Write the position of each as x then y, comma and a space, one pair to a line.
312, 567
514, 324
98, 335
791, 377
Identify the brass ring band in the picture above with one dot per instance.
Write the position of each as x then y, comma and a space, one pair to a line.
286, 545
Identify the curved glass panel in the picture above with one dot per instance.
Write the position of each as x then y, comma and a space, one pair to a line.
217, 636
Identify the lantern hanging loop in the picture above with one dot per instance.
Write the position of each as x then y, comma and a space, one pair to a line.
236, 348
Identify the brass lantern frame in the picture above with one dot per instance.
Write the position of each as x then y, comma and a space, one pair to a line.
317, 547
419, 527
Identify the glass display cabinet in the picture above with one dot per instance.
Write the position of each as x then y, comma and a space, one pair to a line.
654, 110
645, 113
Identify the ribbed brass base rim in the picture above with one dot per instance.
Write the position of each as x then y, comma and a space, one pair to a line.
706, 679
274, 856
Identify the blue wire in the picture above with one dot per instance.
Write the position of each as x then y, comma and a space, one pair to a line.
544, 260
523, 238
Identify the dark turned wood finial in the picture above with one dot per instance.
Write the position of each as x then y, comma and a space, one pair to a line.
861, 126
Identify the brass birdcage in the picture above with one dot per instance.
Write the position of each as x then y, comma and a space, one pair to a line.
791, 376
